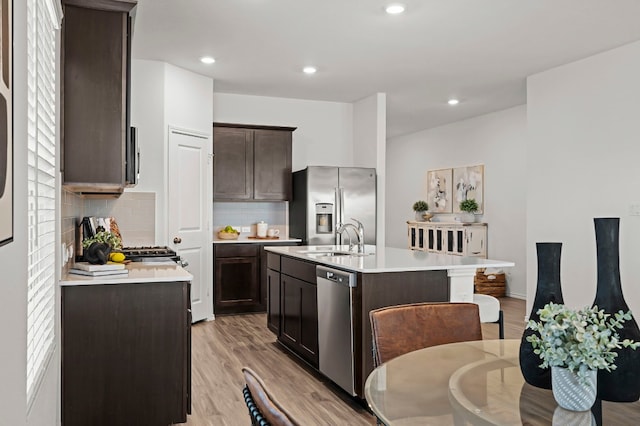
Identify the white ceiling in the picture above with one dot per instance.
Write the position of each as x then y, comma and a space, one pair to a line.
480, 51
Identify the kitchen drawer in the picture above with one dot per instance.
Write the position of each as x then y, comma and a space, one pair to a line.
273, 261
300, 269
237, 250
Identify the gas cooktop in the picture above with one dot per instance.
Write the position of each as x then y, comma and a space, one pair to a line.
150, 253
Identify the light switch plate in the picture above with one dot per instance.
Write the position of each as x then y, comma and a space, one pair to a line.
245, 229
634, 210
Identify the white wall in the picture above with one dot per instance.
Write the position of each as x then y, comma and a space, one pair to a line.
188, 100
147, 114
496, 140
582, 160
13, 264
13, 256
164, 95
324, 134
369, 149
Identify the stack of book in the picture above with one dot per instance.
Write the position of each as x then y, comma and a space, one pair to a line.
88, 269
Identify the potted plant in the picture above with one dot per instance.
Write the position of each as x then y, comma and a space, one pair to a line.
98, 247
468, 208
420, 207
576, 343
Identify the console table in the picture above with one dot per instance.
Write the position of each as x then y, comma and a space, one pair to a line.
461, 239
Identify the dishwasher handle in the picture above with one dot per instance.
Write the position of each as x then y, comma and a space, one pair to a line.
347, 279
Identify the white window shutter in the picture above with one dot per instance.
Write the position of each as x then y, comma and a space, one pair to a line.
42, 24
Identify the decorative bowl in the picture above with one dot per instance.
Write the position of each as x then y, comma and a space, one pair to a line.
228, 235
427, 216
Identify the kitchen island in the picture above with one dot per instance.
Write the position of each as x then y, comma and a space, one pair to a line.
384, 276
126, 346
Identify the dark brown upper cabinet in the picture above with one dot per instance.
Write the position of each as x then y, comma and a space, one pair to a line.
251, 162
95, 97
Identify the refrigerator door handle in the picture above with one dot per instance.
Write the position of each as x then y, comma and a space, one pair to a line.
337, 216
341, 192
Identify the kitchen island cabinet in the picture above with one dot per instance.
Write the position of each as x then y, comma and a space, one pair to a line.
126, 348
299, 308
251, 162
384, 277
273, 292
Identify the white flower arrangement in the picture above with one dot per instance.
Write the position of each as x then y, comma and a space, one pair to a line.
580, 340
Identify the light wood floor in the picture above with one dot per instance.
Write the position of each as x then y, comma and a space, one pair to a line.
222, 347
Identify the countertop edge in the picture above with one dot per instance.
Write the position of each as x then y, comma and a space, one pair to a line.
407, 264
138, 273
257, 241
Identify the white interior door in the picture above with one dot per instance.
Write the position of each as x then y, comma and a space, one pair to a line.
189, 202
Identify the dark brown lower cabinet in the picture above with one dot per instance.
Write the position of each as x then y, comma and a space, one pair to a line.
241, 279
299, 310
273, 301
126, 354
237, 279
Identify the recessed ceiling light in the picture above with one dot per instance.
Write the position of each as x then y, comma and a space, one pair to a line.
395, 8
309, 70
453, 102
207, 60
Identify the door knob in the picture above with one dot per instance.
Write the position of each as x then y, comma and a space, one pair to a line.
177, 240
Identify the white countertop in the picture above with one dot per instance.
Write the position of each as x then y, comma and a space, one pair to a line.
246, 240
389, 259
139, 272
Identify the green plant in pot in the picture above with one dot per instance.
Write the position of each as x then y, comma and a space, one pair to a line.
468, 208
421, 208
576, 343
98, 247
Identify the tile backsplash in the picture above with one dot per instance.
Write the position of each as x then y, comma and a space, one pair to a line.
239, 214
135, 213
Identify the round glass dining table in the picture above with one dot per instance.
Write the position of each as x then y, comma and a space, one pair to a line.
474, 383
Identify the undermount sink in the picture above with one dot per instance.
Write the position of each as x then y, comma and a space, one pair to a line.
331, 253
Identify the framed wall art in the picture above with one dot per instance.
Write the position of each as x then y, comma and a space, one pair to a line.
468, 183
439, 190
6, 130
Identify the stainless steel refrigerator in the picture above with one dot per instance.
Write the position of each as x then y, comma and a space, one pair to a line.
325, 197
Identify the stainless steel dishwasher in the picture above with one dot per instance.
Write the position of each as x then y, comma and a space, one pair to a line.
335, 325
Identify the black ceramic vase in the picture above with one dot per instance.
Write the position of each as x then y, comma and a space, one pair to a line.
623, 383
548, 289
97, 253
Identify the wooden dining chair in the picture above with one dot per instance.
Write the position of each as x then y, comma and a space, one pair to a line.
401, 329
264, 409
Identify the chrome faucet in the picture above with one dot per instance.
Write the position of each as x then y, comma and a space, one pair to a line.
359, 233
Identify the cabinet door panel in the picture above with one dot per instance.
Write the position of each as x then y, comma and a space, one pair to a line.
290, 289
232, 164
272, 165
94, 97
476, 241
412, 237
309, 322
273, 301
237, 285
431, 239
122, 343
